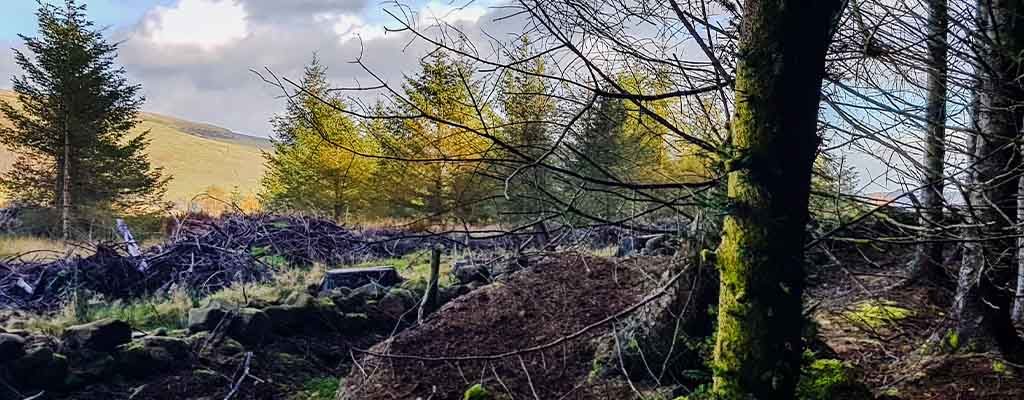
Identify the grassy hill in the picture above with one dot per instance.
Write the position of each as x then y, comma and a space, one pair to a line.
196, 155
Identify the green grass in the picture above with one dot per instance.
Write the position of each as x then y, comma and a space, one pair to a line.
171, 311
323, 388
416, 266
197, 155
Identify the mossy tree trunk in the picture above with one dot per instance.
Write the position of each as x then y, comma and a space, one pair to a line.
778, 84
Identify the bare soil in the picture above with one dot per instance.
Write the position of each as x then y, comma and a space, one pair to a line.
532, 308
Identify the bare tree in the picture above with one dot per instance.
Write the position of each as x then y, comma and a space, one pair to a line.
928, 262
983, 299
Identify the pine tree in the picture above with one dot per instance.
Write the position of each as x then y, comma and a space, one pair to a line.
527, 105
71, 128
314, 166
436, 168
600, 152
982, 304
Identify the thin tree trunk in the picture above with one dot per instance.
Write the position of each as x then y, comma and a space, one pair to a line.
927, 263
65, 206
778, 87
1018, 302
983, 301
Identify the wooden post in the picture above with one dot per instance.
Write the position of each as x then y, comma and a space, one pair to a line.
429, 303
540, 235
129, 241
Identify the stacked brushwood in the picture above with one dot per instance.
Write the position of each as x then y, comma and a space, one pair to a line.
204, 255
207, 255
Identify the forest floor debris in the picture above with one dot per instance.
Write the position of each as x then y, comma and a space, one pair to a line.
873, 319
206, 256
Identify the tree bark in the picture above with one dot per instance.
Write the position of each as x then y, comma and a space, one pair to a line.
65, 195
780, 68
983, 301
1018, 302
927, 262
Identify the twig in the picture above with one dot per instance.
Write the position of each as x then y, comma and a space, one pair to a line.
245, 374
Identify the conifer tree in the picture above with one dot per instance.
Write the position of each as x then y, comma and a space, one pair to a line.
758, 345
527, 104
600, 151
71, 126
314, 166
435, 168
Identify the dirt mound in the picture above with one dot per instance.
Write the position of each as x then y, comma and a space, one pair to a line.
533, 309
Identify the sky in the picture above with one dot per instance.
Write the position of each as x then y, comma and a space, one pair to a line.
194, 58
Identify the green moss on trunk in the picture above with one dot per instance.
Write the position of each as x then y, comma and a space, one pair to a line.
778, 82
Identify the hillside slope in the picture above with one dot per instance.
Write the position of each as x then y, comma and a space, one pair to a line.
196, 155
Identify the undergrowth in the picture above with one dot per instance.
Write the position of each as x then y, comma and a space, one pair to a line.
415, 266
878, 314
170, 311
323, 388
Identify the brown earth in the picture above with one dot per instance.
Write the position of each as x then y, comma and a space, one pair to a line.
532, 308
893, 354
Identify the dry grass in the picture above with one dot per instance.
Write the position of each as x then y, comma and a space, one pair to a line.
37, 248
170, 311
196, 155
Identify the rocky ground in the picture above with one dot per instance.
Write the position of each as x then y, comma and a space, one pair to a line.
531, 334
256, 351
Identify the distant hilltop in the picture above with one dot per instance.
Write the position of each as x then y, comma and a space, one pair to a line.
197, 155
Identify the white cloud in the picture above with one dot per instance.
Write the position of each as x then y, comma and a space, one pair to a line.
434, 13
207, 24
349, 27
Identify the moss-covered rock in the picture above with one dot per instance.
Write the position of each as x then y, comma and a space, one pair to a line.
11, 347
355, 300
153, 355
103, 335
286, 319
394, 306
90, 367
249, 326
205, 344
476, 392
209, 317
830, 379
40, 368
